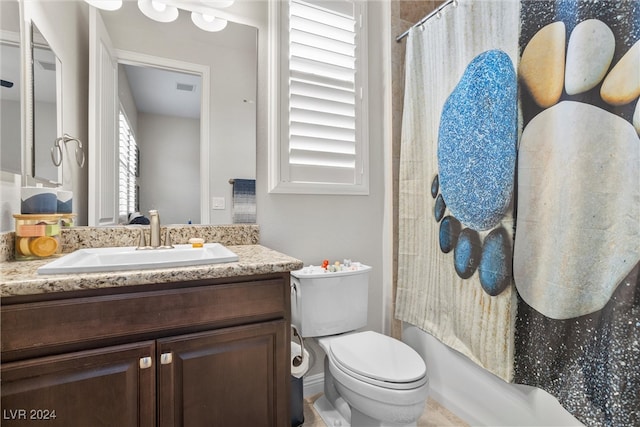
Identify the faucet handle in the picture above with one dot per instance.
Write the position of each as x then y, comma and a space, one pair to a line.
167, 239
142, 242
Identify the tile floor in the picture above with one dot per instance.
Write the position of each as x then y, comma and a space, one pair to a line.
435, 415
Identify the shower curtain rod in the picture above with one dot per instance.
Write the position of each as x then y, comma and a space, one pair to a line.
426, 18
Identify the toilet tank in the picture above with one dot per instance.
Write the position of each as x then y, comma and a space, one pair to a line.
328, 303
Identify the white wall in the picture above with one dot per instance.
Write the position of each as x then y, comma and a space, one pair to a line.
9, 200
45, 114
11, 136
10, 110
126, 99
169, 181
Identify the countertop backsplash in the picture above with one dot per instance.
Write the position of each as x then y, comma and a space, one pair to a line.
101, 237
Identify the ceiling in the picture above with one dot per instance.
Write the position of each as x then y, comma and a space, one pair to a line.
155, 91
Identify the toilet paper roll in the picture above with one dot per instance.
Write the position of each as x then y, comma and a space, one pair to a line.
299, 371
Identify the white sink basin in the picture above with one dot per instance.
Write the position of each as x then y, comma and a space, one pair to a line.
129, 258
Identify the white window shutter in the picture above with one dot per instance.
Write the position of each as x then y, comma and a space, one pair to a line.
128, 170
323, 145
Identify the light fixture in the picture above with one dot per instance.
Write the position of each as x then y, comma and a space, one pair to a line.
208, 22
106, 4
158, 11
203, 12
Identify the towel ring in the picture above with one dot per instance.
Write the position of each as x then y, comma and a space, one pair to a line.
56, 150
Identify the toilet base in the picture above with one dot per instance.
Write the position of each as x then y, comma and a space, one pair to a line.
329, 414
358, 419
333, 417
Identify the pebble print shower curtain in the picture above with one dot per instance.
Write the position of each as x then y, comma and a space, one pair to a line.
455, 218
519, 224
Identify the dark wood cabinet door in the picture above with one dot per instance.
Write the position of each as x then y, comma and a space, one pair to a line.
230, 377
104, 387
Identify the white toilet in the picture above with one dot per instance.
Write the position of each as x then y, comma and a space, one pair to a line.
370, 379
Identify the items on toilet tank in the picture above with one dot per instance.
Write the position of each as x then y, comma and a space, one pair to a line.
37, 236
337, 266
316, 311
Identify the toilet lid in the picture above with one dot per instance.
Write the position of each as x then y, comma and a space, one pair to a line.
378, 357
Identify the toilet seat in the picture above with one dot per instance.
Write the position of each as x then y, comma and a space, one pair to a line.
378, 360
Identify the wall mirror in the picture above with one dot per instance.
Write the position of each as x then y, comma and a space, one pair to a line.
47, 111
11, 88
226, 133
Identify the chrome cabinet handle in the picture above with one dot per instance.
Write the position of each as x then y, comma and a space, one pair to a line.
166, 358
146, 362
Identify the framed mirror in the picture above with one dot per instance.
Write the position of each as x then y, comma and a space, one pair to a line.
47, 107
11, 88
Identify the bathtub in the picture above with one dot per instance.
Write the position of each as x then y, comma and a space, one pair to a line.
479, 397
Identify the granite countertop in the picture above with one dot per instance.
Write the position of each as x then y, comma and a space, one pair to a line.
21, 277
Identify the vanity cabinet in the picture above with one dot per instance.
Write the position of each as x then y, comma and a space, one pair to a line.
198, 353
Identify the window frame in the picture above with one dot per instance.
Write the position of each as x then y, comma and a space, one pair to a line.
278, 111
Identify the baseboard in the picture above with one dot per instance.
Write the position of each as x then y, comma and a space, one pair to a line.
313, 384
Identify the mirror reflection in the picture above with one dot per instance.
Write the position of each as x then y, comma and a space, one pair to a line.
10, 88
45, 107
159, 126
226, 133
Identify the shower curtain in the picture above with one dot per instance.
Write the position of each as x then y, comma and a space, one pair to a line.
450, 283
519, 205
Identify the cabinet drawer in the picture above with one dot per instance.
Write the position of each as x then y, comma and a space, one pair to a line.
41, 328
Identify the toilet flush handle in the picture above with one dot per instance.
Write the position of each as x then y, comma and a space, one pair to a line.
297, 361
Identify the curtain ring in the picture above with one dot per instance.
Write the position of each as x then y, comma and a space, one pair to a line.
57, 160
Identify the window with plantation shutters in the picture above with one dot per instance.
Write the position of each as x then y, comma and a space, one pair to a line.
323, 120
128, 169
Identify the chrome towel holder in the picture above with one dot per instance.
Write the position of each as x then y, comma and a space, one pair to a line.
56, 150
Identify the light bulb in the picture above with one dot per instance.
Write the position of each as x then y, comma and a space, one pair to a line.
105, 4
208, 22
218, 3
160, 7
158, 11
